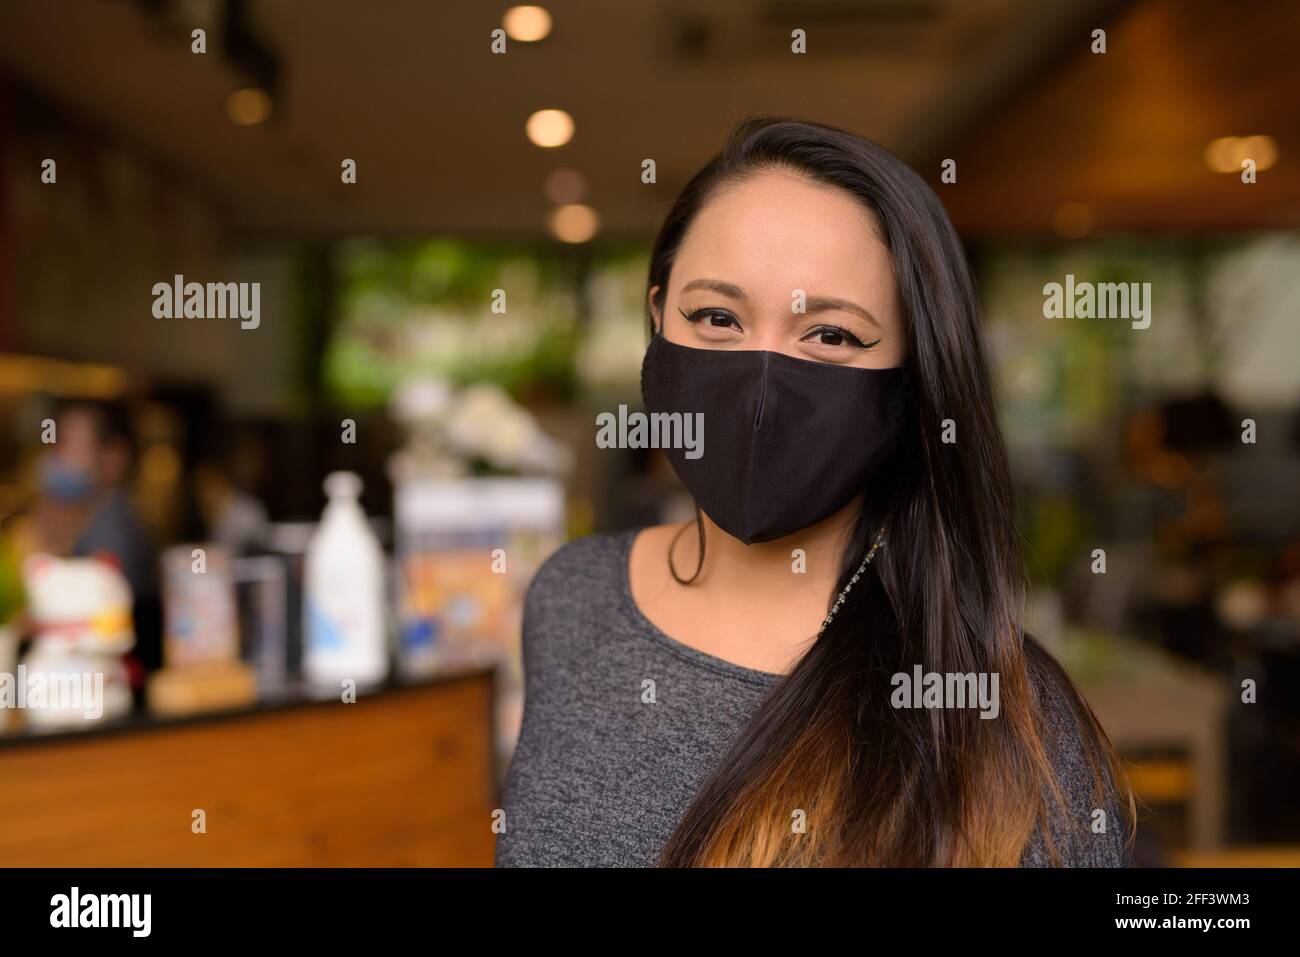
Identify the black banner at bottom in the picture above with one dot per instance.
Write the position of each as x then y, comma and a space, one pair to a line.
341, 907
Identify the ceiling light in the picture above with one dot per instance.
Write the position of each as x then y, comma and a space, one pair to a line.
574, 223
248, 107
565, 185
549, 128
527, 24
1227, 153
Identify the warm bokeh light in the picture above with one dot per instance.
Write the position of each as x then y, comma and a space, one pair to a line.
1227, 153
565, 185
527, 24
549, 128
248, 107
22, 373
574, 223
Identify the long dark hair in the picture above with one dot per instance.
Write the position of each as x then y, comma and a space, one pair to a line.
878, 784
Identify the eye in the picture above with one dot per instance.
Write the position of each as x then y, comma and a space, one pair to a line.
835, 336
718, 318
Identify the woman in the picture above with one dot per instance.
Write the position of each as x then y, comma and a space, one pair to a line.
829, 669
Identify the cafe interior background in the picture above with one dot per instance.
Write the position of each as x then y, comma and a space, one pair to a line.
384, 348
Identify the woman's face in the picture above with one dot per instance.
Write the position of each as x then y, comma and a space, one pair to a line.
781, 264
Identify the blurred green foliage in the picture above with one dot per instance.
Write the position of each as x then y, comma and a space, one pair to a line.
419, 307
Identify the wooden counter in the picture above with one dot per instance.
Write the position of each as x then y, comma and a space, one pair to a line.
403, 777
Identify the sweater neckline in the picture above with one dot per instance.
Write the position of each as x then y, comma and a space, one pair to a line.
682, 650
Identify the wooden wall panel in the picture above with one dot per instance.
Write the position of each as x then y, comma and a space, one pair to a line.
1122, 135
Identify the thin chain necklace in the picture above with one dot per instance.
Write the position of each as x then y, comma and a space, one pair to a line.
839, 600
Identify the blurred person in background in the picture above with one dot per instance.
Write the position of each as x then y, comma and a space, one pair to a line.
83, 508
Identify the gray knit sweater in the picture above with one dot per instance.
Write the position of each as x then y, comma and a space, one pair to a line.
622, 724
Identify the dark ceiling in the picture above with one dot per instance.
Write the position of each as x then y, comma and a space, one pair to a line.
409, 89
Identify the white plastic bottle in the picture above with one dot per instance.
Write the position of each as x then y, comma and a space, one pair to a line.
345, 636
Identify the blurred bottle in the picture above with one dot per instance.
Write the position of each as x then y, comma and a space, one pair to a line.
343, 601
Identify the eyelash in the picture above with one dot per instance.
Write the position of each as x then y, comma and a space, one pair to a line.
850, 338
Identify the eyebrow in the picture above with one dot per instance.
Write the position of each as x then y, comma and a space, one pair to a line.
814, 304
817, 304
717, 285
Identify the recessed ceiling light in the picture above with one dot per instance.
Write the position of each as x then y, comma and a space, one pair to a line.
565, 185
1227, 153
527, 24
248, 107
549, 128
574, 223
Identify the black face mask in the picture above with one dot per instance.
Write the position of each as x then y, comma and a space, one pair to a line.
787, 442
